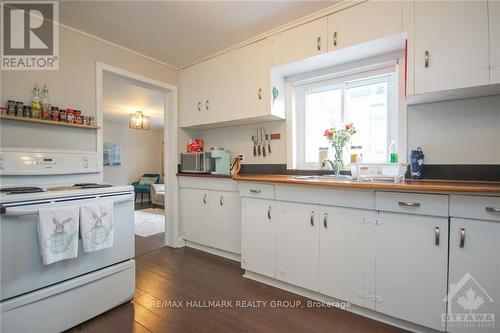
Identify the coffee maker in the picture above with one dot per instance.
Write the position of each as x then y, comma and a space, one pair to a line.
222, 160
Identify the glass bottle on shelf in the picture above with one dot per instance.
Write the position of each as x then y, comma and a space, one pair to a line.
46, 106
36, 104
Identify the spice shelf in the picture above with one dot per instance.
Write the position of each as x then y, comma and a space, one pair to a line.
48, 122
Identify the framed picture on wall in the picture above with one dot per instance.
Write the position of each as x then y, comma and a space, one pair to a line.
112, 154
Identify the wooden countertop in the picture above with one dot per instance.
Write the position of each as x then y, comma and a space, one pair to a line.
408, 185
203, 175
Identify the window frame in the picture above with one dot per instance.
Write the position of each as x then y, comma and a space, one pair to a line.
312, 82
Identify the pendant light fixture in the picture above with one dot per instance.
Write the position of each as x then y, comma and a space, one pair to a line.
138, 121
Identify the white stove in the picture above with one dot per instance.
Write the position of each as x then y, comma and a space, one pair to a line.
78, 288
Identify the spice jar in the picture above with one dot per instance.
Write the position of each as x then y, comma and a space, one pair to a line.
19, 109
3, 110
70, 117
11, 108
63, 116
91, 121
27, 111
54, 113
78, 117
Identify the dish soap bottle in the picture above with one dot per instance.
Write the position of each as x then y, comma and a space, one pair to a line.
393, 153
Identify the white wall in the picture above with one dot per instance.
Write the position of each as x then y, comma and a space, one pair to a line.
141, 152
74, 84
239, 140
457, 132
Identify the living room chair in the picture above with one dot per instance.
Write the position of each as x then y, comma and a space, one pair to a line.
144, 185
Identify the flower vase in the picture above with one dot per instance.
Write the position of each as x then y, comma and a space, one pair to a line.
338, 162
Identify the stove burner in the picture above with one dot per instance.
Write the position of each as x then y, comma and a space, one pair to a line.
21, 190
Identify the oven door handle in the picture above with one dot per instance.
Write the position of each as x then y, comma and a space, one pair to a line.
30, 210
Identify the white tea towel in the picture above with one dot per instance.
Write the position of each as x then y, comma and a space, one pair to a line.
96, 224
58, 233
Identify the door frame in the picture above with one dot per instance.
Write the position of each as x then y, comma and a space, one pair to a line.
172, 227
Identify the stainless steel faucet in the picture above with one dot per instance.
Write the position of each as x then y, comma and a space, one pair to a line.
323, 165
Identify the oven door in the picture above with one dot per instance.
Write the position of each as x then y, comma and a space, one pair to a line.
22, 270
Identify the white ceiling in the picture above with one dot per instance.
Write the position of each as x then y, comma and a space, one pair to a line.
121, 98
180, 32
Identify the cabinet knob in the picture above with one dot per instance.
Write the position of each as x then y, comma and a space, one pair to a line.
462, 238
335, 38
426, 59
255, 191
199, 106
204, 198
492, 209
436, 236
207, 104
409, 204
318, 43
221, 200
269, 212
259, 93
311, 218
325, 219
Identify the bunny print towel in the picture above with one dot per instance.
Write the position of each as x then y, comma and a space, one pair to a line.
58, 233
96, 224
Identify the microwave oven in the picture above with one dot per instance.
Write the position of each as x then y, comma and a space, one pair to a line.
197, 162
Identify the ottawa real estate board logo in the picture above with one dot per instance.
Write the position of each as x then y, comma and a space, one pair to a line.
30, 35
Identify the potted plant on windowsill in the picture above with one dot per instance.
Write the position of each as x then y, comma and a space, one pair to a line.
339, 138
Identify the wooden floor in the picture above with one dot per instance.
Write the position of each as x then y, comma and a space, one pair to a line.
186, 274
144, 245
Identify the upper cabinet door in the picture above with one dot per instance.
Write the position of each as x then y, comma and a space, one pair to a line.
494, 7
364, 22
451, 45
218, 96
191, 95
253, 77
301, 42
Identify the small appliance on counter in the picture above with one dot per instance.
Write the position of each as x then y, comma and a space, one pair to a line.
200, 162
222, 161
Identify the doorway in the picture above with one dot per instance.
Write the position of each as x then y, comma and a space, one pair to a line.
121, 94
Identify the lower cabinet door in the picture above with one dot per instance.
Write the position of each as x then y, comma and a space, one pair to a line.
411, 267
298, 245
474, 276
226, 225
346, 256
258, 236
195, 215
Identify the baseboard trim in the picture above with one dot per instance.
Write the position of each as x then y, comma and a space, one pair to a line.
326, 299
214, 251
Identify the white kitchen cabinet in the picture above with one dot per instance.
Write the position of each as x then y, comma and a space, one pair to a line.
253, 80
411, 266
210, 213
364, 22
219, 89
225, 210
346, 256
301, 42
451, 46
297, 245
195, 212
192, 95
474, 259
494, 17
258, 241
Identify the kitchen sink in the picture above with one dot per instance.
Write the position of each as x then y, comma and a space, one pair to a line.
327, 178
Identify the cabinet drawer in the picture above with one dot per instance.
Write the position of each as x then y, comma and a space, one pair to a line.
255, 190
475, 207
412, 203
